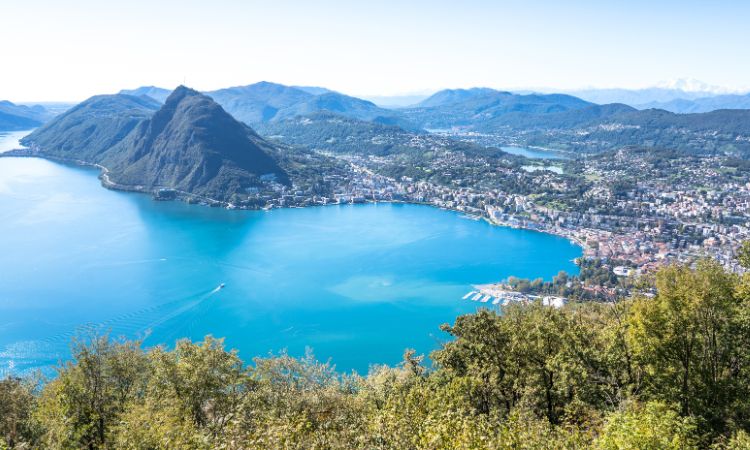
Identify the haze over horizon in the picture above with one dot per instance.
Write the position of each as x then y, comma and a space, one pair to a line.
68, 52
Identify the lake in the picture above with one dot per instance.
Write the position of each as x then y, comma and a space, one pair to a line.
9, 140
356, 283
534, 153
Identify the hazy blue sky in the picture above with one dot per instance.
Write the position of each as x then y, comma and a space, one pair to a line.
69, 50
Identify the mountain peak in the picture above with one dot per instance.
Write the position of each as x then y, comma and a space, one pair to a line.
179, 93
450, 96
190, 144
693, 85
154, 92
193, 145
89, 129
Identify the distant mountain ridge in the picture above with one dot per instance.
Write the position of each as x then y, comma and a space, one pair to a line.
554, 120
314, 90
476, 107
701, 105
451, 96
265, 101
633, 97
156, 93
680, 96
313, 116
253, 104
567, 122
189, 144
490, 111
259, 102
733, 122
92, 127
21, 117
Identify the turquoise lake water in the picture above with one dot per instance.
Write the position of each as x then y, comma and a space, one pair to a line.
357, 284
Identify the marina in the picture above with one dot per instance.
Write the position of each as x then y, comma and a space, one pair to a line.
501, 295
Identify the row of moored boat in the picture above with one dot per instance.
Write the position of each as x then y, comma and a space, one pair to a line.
481, 298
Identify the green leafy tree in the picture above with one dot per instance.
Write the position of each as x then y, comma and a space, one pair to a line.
17, 403
653, 426
739, 441
202, 379
687, 339
79, 408
158, 425
743, 254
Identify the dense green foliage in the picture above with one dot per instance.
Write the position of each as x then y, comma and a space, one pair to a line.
92, 127
670, 372
595, 281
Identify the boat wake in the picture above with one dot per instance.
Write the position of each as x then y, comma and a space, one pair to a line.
161, 322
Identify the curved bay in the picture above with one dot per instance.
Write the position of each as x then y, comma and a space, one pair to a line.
357, 284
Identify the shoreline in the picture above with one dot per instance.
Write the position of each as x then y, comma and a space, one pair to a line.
107, 183
186, 197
